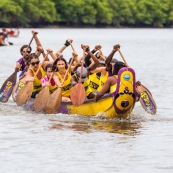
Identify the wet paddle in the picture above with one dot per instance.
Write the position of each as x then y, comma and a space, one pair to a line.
42, 97
26, 91
78, 94
17, 87
7, 87
146, 99
9, 84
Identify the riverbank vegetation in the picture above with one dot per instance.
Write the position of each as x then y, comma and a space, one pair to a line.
86, 13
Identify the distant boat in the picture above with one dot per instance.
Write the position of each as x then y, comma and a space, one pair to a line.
11, 32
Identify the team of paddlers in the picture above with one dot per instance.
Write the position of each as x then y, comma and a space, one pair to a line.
98, 73
92, 75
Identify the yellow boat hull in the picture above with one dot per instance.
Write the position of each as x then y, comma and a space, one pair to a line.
103, 107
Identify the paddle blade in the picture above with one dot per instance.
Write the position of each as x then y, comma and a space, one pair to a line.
41, 99
54, 102
147, 100
7, 87
17, 88
24, 94
78, 94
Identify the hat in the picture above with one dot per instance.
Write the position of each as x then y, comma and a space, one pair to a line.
114, 60
84, 73
101, 61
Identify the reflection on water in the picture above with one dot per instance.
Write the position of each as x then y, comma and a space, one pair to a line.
87, 125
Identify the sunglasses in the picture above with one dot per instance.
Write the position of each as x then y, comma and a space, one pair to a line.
35, 63
26, 51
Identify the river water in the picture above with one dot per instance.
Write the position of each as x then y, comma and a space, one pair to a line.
32, 143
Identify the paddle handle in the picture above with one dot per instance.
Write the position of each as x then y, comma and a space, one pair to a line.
72, 46
81, 72
38, 43
44, 55
123, 58
68, 70
69, 65
52, 54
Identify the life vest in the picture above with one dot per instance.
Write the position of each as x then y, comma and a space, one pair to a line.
37, 82
102, 81
66, 89
93, 82
52, 86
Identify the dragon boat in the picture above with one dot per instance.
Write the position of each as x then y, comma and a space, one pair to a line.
118, 104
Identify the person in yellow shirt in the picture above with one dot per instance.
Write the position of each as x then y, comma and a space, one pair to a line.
111, 81
32, 74
50, 79
60, 67
88, 79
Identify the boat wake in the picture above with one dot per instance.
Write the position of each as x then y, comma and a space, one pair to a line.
88, 124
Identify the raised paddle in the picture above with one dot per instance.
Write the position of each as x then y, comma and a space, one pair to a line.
26, 91
146, 98
78, 94
9, 84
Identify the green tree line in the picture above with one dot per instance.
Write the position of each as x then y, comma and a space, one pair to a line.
86, 13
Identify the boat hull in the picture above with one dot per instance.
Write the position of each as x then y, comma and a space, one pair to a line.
104, 107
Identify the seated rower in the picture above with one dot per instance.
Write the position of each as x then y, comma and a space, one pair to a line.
60, 67
87, 82
110, 61
50, 79
22, 63
84, 79
111, 81
99, 76
103, 71
34, 76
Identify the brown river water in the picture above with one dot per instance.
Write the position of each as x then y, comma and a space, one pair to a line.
39, 143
